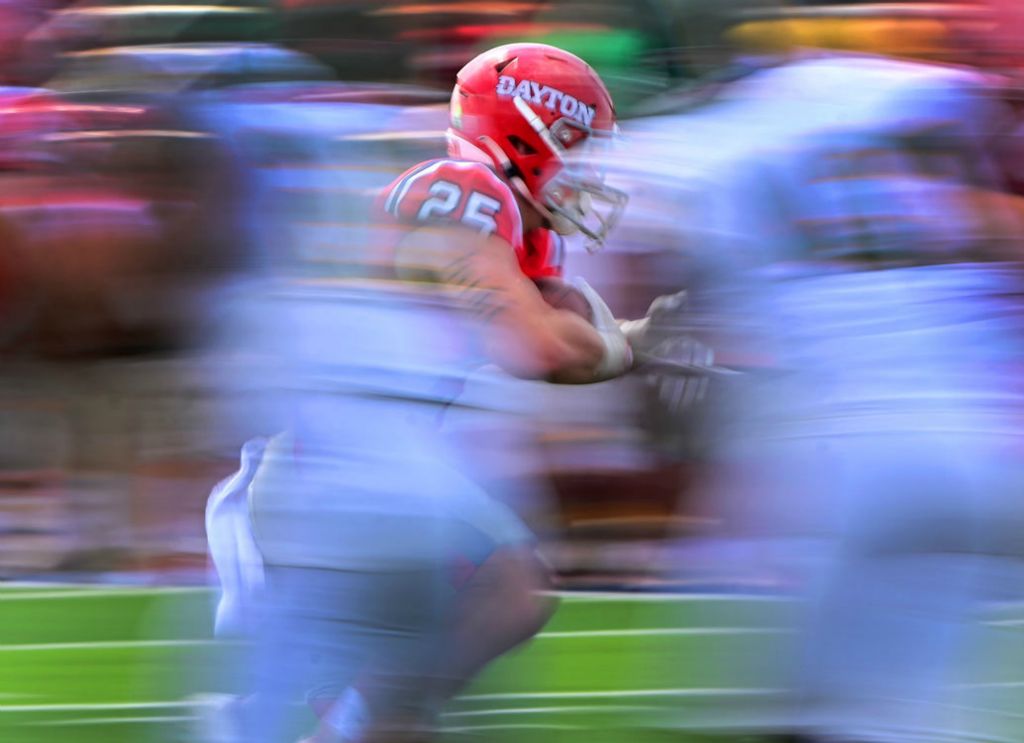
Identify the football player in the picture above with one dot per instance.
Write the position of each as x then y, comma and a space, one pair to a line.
860, 255
489, 220
393, 579
525, 122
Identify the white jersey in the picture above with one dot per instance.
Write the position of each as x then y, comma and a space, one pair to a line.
837, 203
403, 349
896, 134
364, 365
844, 231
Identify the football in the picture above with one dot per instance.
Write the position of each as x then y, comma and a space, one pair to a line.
564, 296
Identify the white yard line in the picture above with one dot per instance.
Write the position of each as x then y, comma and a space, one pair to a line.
589, 596
22, 591
97, 592
180, 704
462, 714
550, 710
625, 693
509, 726
111, 720
108, 645
655, 632
663, 631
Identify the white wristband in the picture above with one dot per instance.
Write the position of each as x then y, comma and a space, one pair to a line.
618, 356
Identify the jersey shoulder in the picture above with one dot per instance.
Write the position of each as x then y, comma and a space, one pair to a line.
455, 192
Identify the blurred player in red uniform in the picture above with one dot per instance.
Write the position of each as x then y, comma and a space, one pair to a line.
391, 578
489, 220
525, 122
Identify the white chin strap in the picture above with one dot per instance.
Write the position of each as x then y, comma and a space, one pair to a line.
568, 219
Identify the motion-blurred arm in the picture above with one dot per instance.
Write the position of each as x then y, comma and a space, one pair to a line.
525, 335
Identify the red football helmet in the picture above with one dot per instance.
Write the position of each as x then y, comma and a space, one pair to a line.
530, 109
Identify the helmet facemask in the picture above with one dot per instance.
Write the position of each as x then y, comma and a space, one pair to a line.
574, 197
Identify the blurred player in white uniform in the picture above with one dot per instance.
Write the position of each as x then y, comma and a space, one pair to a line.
367, 525
848, 229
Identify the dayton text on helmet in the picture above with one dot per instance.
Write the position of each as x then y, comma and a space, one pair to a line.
533, 92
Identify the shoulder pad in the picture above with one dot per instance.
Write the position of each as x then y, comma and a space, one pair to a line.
457, 192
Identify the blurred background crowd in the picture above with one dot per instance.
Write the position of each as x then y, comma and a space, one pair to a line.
838, 185
154, 156
157, 157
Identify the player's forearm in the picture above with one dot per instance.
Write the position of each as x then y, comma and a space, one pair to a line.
615, 359
582, 355
558, 346
616, 353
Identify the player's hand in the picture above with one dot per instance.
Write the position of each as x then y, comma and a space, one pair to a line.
678, 369
663, 309
675, 364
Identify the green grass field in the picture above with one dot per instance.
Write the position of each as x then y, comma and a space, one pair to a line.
118, 664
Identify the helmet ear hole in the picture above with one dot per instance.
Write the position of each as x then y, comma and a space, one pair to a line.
521, 146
